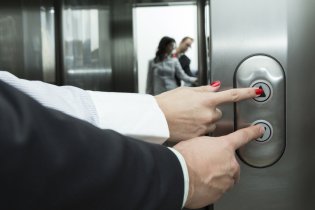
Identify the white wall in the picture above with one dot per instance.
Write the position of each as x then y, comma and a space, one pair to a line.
152, 23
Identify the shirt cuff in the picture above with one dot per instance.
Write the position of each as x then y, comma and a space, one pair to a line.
134, 115
185, 174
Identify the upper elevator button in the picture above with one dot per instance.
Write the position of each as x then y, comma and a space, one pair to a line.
266, 87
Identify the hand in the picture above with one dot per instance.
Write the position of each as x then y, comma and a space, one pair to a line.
212, 166
192, 111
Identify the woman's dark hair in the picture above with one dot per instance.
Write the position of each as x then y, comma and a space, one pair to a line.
160, 53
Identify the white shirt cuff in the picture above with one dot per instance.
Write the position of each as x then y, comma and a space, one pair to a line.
185, 174
135, 115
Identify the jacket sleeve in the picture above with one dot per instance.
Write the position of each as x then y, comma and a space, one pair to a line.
185, 63
50, 160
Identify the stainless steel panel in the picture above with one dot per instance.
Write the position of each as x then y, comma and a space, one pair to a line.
268, 110
32, 40
86, 45
240, 29
123, 59
22, 38
202, 45
11, 40
97, 45
285, 30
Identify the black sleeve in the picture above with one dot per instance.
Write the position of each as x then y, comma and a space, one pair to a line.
185, 63
49, 160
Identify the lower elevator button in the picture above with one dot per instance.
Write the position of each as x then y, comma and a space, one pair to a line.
268, 130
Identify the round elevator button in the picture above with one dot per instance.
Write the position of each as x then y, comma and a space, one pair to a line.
267, 90
268, 130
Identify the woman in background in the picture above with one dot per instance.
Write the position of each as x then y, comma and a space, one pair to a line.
164, 67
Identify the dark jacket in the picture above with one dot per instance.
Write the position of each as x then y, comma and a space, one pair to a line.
49, 160
185, 63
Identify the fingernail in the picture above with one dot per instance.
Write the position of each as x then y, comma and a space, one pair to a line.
262, 130
259, 91
215, 84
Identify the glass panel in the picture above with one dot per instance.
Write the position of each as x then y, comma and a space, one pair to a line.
47, 15
86, 41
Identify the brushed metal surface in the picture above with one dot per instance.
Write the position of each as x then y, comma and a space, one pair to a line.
269, 73
86, 45
285, 30
22, 38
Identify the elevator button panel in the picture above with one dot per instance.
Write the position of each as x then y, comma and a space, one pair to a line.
267, 110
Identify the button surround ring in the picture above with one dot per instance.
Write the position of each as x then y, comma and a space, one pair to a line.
266, 84
269, 133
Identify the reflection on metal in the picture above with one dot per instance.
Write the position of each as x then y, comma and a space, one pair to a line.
58, 42
23, 38
98, 35
269, 109
150, 3
9, 36
241, 29
48, 43
202, 50
45, 39
89, 71
86, 45
123, 62
89, 78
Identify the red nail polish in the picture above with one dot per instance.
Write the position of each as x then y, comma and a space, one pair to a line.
259, 91
215, 84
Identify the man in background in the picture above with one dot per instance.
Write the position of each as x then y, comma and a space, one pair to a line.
184, 61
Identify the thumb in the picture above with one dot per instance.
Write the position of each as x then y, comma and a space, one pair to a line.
244, 136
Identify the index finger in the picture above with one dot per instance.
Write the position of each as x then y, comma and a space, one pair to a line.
244, 136
234, 95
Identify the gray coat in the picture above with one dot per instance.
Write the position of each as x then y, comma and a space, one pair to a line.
161, 75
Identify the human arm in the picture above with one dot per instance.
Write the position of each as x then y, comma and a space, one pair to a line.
50, 160
212, 165
180, 114
135, 115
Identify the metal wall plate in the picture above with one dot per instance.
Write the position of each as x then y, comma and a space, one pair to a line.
268, 109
